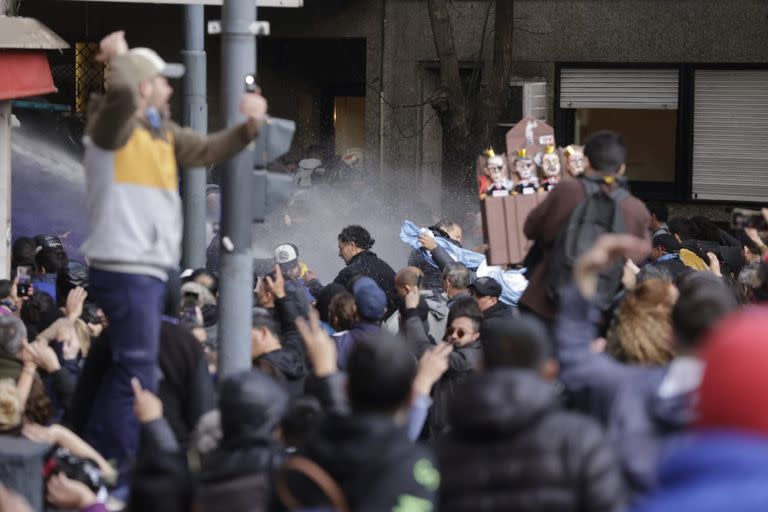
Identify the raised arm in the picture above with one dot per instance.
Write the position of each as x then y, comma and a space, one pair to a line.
194, 149
112, 119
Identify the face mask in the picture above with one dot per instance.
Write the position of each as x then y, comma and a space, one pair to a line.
154, 118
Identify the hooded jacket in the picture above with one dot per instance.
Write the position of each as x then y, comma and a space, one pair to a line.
513, 448
373, 461
437, 315
287, 367
132, 199
251, 405
368, 264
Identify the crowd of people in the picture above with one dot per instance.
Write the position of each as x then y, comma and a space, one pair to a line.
624, 378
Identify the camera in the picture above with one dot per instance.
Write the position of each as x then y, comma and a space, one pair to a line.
189, 306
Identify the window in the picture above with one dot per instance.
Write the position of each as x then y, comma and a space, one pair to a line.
649, 135
641, 104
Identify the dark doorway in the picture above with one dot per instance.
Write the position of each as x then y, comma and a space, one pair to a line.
318, 83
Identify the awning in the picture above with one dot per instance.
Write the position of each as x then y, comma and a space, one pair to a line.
23, 74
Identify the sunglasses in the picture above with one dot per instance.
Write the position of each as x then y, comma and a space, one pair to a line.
460, 333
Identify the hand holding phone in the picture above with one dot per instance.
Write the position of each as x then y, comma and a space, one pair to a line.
188, 306
23, 279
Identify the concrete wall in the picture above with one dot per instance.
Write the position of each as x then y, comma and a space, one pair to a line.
641, 31
411, 134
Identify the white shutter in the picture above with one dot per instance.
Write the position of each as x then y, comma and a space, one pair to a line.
619, 88
730, 135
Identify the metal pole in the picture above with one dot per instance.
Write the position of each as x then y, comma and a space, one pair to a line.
195, 116
238, 59
5, 189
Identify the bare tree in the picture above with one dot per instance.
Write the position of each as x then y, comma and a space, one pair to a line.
468, 117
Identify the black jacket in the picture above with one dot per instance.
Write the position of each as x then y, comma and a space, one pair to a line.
461, 364
186, 388
513, 448
368, 264
160, 480
373, 461
500, 310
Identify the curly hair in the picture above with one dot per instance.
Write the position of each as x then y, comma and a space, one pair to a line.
357, 235
39, 408
642, 331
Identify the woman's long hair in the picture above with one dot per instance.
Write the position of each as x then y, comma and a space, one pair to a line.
642, 331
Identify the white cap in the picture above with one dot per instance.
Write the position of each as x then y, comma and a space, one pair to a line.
285, 253
148, 64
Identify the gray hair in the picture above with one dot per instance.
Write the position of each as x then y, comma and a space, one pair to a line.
457, 274
12, 332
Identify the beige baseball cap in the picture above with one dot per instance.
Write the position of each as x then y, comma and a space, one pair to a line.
149, 64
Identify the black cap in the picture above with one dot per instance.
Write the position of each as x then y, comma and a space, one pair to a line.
486, 287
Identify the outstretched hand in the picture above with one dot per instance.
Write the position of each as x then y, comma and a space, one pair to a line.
606, 250
432, 365
276, 286
321, 349
412, 298
111, 46
75, 301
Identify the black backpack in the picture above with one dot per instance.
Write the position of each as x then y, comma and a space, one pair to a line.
598, 214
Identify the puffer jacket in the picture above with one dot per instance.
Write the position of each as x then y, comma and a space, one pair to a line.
513, 448
374, 463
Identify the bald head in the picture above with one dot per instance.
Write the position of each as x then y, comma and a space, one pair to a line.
409, 276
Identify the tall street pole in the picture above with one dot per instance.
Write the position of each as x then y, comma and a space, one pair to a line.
195, 115
238, 59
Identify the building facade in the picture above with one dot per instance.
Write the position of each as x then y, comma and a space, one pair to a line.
685, 80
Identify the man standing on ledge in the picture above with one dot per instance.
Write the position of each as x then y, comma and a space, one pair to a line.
132, 150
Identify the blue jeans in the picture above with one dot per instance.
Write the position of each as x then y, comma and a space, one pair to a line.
133, 305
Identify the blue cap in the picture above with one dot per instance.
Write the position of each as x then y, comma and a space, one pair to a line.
370, 299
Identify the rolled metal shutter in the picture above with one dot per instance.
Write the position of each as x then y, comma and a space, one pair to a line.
730, 135
655, 89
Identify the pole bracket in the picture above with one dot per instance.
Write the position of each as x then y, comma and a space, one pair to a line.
257, 28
